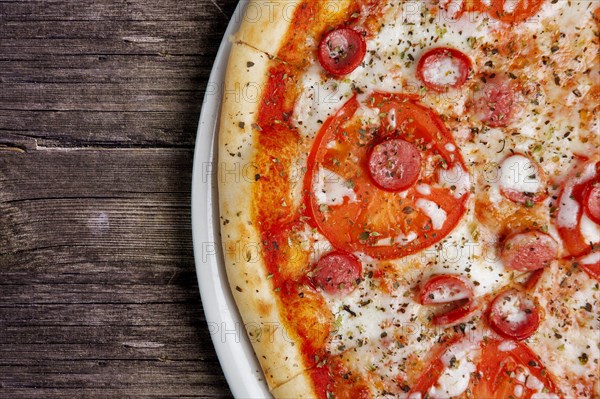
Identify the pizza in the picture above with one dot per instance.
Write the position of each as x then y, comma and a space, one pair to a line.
409, 196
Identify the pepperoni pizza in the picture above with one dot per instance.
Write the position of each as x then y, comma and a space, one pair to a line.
410, 196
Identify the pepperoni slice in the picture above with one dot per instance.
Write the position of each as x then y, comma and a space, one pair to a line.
445, 288
574, 197
337, 273
522, 180
528, 251
448, 289
591, 201
513, 315
341, 51
362, 209
395, 164
494, 104
442, 68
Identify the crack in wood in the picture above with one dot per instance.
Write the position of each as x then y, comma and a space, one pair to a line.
142, 345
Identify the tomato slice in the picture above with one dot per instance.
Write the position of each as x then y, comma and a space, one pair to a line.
434, 368
442, 68
509, 11
591, 200
341, 51
590, 263
502, 370
533, 279
513, 315
337, 272
571, 201
505, 366
451, 290
364, 217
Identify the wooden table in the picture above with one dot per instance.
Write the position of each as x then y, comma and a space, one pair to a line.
99, 105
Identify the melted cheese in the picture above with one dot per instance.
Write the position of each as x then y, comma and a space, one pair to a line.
589, 229
475, 259
518, 173
442, 72
331, 189
507, 346
434, 211
567, 339
423, 189
457, 179
510, 308
568, 210
321, 98
591, 259
314, 243
458, 362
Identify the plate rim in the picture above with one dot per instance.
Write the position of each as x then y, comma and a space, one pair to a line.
232, 346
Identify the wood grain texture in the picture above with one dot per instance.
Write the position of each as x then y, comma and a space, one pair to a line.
99, 104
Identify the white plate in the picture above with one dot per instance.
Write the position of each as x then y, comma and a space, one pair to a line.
225, 325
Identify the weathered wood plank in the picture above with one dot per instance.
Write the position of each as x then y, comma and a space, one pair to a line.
106, 63
131, 378
99, 103
124, 338
98, 289
120, 128
151, 314
181, 72
42, 294
110, 37
97, 97
65, 116
72, 264
92, 10
112, 224
34, 393
113, 173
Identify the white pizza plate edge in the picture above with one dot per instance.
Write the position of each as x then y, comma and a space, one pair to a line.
233, 348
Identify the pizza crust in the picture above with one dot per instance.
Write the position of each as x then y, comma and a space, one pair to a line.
265, 24
252, 289
300, 387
